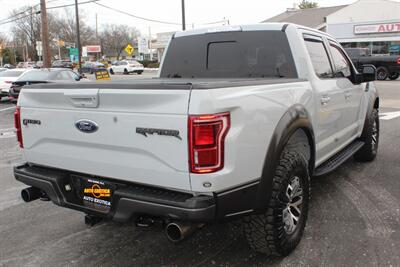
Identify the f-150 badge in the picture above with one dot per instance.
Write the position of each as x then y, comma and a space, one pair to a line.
166, 132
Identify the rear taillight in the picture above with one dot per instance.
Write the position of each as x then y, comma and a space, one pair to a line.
207, 141
398, 60
17, 124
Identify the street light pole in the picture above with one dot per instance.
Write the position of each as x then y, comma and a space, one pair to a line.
78, 36
183, 16
45, 35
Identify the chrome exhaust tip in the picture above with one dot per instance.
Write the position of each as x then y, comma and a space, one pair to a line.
178, 231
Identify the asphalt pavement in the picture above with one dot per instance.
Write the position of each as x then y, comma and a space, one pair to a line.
354, 218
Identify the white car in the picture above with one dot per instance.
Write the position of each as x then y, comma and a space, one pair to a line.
126, 67
7, 78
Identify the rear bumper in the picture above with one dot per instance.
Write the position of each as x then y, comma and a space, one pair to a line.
131, 200
128, 201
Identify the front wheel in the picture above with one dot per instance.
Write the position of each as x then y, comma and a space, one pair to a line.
381, 73
394, 76
370, 136
279, 230
126, 72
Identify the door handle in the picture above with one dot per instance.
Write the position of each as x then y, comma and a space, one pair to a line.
347, 95
325, 100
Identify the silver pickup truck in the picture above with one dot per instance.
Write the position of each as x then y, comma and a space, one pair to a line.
237, 121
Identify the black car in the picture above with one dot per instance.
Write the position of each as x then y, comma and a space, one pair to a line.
92, 67
36, 76
62, 64
386, 66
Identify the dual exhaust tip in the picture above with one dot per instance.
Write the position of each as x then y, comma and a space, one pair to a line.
31, 193
175, 231
178, 231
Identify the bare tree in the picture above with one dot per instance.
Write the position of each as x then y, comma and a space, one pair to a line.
64, 28
304, 4
26, 29
114, 38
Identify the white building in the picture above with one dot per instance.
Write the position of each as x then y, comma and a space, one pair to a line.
366, 23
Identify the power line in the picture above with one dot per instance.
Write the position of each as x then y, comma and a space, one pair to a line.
68, 5
153, 20
3, 22
138, 17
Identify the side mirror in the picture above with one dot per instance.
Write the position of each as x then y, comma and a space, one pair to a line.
368, 73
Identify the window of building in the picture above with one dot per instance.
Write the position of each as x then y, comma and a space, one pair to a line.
319, 57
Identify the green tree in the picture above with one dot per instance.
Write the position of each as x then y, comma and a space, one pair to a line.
304, 4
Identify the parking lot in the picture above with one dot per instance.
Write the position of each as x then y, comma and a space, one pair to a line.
354, 217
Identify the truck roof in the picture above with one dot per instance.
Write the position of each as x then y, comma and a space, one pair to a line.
270, 26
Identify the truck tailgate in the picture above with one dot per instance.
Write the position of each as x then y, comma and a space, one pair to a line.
127, 145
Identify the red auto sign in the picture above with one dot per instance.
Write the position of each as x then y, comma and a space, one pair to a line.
377, 28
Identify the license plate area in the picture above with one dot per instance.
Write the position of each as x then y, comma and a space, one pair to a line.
95, 193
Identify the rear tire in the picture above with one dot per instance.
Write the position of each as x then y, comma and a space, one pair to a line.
126, 72
370, 136
279, 230
139, 72
382, 73
394, 76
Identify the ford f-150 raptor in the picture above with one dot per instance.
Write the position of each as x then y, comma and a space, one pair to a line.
237, 121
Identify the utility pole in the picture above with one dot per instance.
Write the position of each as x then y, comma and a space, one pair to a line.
78, 36
97, 31
150, 48
45, 35
183, 16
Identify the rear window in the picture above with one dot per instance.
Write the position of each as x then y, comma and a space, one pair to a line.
11, 73
249, 54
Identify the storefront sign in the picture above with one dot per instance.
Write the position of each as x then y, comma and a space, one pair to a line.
93, 48
377, 28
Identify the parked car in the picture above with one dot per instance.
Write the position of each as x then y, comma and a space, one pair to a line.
9, 66
26, 65
38, 65
234, 127
92, 67
126, 67
62, 64
39, 76
386, 66
7, 78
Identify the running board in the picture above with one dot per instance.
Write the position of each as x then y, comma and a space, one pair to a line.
338, 159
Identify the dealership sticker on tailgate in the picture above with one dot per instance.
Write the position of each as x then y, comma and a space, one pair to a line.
97, 192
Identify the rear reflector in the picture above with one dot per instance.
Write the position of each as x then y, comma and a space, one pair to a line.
398, 60
18, 128
8, 81
207, 141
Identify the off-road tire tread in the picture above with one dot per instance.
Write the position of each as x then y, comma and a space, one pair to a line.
365, 153
260, 229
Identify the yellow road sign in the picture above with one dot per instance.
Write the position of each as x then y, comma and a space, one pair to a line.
129, 49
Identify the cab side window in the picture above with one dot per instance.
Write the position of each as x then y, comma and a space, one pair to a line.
319, 56
340, 62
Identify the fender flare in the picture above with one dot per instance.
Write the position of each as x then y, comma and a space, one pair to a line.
295, 118
373, 103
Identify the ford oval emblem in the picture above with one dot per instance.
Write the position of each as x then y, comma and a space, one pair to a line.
86, 126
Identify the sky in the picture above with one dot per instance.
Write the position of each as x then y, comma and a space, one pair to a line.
198, 12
